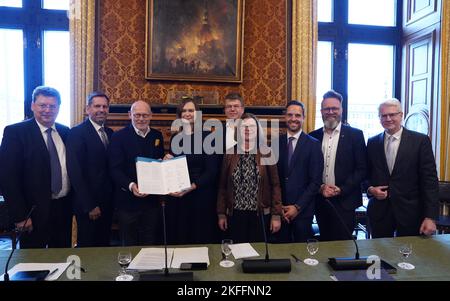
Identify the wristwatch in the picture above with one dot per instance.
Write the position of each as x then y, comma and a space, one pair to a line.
297, 207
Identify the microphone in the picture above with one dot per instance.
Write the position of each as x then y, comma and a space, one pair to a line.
266, 265
347, 263
166, 276
6, 275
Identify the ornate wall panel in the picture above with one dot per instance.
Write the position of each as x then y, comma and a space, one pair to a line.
122, 56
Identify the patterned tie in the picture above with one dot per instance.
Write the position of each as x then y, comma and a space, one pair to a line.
103, 137
290, 149
390, 155
55, 166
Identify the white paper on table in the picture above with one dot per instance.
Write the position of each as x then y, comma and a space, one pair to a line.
162, 177
151, 259
181, 255
38, 267
244, 250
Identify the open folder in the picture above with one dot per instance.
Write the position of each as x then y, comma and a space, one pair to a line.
162, 177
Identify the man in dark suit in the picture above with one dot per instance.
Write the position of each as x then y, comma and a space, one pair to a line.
33, 173
345, 168
403, 183
138, 213
87, 165
300, 168
234, 108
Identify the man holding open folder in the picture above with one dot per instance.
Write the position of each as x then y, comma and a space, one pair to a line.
138, 213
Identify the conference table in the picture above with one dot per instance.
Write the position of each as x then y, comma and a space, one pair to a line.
430, 256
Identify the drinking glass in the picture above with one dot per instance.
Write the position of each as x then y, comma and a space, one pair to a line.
405, 250
124, 259
312, 245
226, 250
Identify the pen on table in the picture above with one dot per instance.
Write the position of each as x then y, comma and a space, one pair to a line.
296, 258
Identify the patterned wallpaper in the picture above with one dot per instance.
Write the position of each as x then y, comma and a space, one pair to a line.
122, 56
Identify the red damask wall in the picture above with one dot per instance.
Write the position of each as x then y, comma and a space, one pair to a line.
122, 56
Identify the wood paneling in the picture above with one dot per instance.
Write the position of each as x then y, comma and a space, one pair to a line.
421, 60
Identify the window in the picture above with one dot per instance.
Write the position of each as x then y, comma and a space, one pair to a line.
34, 50
11, 3
56, 4
359, 43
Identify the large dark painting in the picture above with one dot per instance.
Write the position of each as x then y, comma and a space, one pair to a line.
194, 40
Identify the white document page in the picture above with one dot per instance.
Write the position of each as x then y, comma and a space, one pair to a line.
244, 250
182, 255
162, 177
151, 259
176, 174
53, 275
149, 176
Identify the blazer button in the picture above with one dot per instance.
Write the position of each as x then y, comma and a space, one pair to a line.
286, 178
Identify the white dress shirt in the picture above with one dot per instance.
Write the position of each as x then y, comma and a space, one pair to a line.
395, 143
140, 133
97, 128
329, 147
61, 149
229, 139
294, 142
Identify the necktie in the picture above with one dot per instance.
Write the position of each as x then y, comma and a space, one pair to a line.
390, 155
55, 166
290, 149
103, 137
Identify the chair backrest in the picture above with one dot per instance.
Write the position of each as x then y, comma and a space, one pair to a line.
444, 191
444, 198
5, 223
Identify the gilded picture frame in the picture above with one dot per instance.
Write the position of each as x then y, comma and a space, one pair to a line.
194, 40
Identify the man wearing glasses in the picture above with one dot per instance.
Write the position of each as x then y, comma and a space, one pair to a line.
234, 108
345, 167
138, 213
403, 183
33, 173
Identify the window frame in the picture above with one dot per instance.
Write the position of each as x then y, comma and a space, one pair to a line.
33, 20
340, 33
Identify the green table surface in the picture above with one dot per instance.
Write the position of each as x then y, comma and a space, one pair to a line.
431, 257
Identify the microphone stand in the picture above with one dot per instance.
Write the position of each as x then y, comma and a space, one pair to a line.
266, 265
346, 263
166, 276
6, 275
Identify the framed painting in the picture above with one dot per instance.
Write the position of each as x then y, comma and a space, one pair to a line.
194, 40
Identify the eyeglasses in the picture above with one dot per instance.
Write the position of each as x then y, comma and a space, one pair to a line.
43, 107
331, 109
229, 107
390, 115
144, 116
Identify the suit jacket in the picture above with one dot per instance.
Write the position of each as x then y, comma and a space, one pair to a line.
413, 185
25, 170
87, 166
350, 166
269, 192
123, 150
301, 181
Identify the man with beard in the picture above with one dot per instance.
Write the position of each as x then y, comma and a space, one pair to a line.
87, 165
345, 167
300, 170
